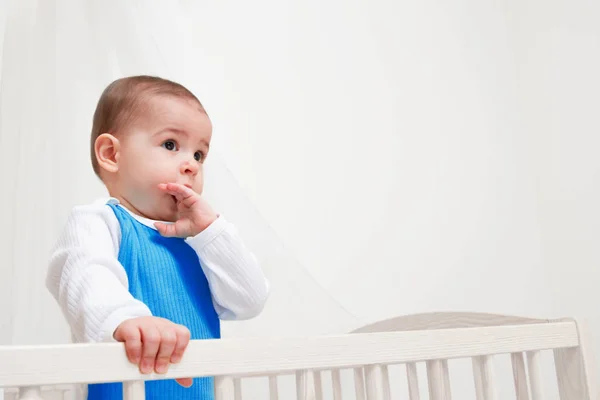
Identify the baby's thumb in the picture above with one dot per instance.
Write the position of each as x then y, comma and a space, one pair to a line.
167, 230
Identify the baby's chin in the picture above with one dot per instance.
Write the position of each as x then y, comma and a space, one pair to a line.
166, 215
163, 211
167, 218
170, 212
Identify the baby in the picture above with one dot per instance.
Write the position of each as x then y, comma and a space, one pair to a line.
152, 266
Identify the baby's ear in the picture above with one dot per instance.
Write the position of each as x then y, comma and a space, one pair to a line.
107, 152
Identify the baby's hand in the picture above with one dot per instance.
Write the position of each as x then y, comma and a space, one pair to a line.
195, 215
153, 343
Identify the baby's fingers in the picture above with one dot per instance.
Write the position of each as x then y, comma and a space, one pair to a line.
167, 230
183, 339
151, 339
167, 345
183, 193
185, 382
130, 334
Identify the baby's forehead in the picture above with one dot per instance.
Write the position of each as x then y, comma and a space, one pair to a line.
174, 112
166, 101
164, 109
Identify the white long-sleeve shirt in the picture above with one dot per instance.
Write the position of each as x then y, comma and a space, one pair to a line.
91, 286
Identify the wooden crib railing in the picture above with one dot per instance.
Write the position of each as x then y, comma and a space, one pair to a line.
432, 339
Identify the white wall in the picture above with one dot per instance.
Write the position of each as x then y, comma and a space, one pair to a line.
383, 142
419, 156
558, 49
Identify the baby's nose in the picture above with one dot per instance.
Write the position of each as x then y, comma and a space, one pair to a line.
188, 168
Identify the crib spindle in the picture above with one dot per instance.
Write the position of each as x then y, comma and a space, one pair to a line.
224, 388
535, 375
385, 382
336, 382
318, 385
302, 382
484, 379
413, 381
273, 388
520, 376
64, 393
359, 383
134, 390
10, 394
372, 380
478, 379
30, 393
438, 380
237, 389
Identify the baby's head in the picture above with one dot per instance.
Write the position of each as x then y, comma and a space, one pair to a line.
148, 131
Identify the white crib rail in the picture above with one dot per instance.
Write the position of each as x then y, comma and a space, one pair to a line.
369, 354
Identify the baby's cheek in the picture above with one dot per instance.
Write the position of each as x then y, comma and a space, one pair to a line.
199, 184
162, 174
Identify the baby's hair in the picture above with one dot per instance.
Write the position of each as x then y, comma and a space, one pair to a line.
126, 99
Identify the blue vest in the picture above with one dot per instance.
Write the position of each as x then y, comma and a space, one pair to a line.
165, 274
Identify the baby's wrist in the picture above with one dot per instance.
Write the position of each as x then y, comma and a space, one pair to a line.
204, 224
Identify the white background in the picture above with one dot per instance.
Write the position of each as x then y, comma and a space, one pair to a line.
419, 156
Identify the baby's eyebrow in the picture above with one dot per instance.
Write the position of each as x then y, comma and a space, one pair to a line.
171, 130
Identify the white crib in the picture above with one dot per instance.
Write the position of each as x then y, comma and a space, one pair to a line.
44, 372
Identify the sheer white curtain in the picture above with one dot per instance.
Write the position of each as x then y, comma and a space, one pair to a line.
57, 57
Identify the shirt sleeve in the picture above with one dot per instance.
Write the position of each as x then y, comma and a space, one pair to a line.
237, 283
86, 278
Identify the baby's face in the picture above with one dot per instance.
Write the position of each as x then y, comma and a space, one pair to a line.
169, 144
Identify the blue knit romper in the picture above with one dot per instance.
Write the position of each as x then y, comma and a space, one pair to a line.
165, 274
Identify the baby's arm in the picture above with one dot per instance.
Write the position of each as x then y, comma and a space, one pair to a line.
90, 286
86, 278
238, 285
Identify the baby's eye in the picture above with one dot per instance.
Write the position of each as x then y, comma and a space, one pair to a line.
169, 145
198, 156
